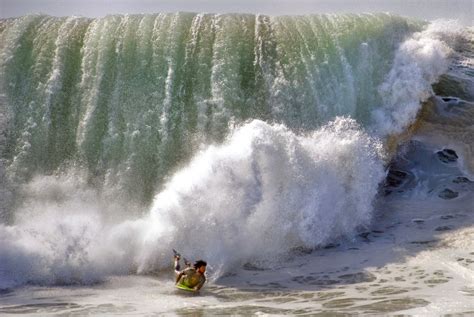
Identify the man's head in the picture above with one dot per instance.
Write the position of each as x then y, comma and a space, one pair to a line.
200, 266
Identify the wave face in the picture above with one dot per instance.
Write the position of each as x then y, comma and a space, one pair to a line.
131, 97
249, 136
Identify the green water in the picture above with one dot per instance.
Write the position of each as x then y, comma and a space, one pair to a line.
130, 98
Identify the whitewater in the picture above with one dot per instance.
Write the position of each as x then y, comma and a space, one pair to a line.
320, 164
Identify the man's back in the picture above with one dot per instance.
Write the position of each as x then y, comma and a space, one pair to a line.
191, 278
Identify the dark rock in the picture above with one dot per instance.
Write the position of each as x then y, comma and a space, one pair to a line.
448, 194
443, 228
461, 180
331, 245
447, 156
424, 242
395, 178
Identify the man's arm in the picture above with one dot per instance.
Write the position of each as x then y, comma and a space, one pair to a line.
178, 277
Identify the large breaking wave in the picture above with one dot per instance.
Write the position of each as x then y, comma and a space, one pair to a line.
237, 138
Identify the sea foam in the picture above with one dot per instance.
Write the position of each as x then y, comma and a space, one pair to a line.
419, 62
263, 193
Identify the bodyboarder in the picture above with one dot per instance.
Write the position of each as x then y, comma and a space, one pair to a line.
193, 276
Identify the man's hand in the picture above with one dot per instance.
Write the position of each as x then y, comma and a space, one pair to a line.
177, 256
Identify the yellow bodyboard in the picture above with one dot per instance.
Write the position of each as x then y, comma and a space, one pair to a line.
184, 287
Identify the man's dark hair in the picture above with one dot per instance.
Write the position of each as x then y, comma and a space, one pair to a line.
199, 263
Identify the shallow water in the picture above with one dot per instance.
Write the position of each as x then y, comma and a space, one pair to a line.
400, 267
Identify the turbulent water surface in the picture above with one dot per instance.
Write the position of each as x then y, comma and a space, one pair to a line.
320, 164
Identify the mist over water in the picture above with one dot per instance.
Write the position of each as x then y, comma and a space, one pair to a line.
237, 138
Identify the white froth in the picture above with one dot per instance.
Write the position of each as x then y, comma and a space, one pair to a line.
418, 63
253, 199
266, 192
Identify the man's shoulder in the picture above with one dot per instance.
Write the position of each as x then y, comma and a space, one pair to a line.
190, 270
